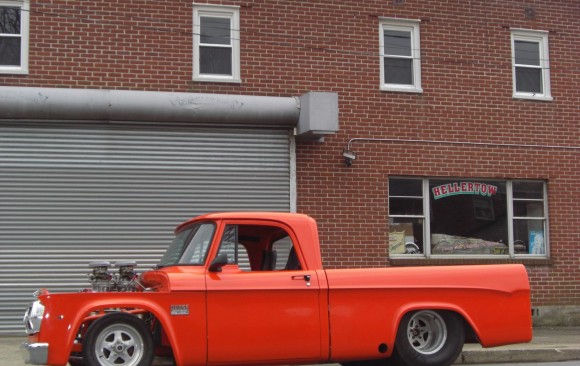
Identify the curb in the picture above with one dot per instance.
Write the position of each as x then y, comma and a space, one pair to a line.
518, 355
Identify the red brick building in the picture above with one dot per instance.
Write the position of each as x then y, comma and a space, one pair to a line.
462, 118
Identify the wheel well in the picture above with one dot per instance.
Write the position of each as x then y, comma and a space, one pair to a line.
153, 323
470, 334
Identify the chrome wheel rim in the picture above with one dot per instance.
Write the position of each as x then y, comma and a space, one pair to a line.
119, 345
427, 332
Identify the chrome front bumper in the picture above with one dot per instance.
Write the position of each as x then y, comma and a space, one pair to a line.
34, 353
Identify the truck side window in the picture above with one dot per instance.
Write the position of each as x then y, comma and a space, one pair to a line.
259, 248
235, 251
286, 255
228, 244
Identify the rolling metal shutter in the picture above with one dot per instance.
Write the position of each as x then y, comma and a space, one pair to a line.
71, 194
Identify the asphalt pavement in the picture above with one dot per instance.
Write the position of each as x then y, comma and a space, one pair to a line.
550, 344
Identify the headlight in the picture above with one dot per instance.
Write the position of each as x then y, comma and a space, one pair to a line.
33, 317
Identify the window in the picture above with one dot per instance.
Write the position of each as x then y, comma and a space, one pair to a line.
400, 55
531, 65
216, 44
189, 246
14, 37
259, 248
463, 217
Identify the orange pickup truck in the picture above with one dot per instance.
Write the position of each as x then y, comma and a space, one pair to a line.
249, 289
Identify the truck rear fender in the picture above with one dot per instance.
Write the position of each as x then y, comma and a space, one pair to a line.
471, 328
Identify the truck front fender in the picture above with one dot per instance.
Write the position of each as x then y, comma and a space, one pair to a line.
65, 314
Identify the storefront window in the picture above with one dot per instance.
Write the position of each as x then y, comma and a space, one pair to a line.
468, 217
465, 217
529, 218
407, 219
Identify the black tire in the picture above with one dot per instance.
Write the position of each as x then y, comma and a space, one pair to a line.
118, 339
76, 361
429, 338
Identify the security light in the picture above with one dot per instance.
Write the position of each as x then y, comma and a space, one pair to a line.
349, 156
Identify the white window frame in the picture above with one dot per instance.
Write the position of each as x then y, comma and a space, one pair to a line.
405, 25
218, 11
24, 37
426, 217
541, 38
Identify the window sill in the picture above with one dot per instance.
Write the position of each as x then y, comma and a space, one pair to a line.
401, 88
209, 79
543, 98
418, 261
13, 71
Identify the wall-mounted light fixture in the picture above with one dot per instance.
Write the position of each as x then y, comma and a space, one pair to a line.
349, 156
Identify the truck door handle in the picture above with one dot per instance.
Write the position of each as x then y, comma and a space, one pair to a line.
306, 278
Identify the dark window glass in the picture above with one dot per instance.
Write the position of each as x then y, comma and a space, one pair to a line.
215, 31
406, 206
215, 60
398, 71
468, 217
10, 51
405, 187
534, 190
527, 53
528, 80
397, 43
528, 209
9, 20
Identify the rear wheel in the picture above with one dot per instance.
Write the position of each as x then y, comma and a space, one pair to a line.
429, 338
118, 339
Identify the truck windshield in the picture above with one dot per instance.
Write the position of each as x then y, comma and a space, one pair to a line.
190, 246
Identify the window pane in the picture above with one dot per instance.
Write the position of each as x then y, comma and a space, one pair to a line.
398, 71
215, 60
196, 250
397, 43
528, 209
468, 217
527, 53
406, 206
529, 237
228, 245
215, 30
528, 190
405, 187
9, 51
282, 248
9, 20
405, 236
528, 80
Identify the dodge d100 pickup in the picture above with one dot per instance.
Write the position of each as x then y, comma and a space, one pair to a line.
249, 289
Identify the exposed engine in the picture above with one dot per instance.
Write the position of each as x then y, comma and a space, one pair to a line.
124, 280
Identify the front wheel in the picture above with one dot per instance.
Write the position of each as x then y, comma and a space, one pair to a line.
118, 339
429, 338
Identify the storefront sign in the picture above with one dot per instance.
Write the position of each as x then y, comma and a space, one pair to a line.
452, 189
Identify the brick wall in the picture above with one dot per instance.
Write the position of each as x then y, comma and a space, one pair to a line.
291, 47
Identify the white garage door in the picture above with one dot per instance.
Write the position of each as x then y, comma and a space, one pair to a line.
71, 194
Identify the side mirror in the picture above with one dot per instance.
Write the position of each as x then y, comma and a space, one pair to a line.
218, 262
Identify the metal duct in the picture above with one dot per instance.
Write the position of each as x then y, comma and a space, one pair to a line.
146, 106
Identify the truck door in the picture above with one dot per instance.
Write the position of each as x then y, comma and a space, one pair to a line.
262, 306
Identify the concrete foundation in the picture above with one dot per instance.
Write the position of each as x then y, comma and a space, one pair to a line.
556, 315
